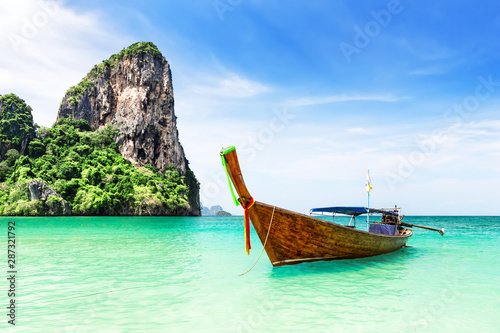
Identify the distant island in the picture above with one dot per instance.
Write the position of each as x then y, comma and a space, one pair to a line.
113, 150
214, 211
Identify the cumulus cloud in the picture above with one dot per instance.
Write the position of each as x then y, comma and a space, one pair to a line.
317, 100
47, 47
229, 85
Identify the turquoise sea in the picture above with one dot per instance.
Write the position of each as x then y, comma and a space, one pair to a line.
180, 274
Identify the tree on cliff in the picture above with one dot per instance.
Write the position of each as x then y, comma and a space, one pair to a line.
16, 124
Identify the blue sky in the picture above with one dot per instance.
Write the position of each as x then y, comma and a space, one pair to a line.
311, 93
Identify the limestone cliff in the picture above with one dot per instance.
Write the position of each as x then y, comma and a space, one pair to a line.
133, 92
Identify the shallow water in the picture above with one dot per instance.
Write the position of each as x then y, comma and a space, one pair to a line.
180, 274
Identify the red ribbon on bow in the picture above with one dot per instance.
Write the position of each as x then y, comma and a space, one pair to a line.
247, 225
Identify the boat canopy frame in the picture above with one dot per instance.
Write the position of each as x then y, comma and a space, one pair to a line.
355, 211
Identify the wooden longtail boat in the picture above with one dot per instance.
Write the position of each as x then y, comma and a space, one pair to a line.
291, 238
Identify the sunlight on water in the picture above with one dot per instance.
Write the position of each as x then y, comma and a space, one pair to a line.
172, 274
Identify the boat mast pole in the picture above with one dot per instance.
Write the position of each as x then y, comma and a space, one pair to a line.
368, 212
368, 204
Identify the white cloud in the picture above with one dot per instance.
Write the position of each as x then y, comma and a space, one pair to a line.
358, 130
426, 49
317, 100
228, 85
47, 47
431, 70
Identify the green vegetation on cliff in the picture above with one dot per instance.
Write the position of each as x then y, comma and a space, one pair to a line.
86, 169
16, 122
134, 50
140, 48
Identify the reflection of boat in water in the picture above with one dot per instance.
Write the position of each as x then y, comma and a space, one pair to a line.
291, 238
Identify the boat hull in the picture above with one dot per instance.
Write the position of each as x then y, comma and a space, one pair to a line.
296, 238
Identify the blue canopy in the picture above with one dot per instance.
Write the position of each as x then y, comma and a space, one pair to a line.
355, 211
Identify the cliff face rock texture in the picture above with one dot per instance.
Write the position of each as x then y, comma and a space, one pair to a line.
52, 202
133, 92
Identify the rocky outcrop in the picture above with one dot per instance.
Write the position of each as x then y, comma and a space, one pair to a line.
133, 92
214, 211
16, 124
52, 202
